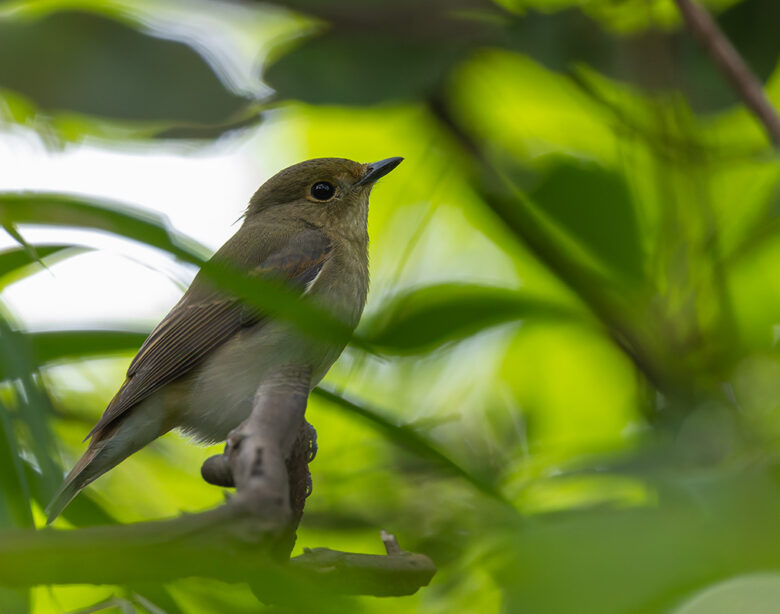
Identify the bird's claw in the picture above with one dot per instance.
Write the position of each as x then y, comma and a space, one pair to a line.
311, 435
309, 485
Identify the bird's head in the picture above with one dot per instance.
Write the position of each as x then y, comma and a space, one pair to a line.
324, 191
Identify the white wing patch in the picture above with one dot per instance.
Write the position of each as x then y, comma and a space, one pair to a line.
310, 284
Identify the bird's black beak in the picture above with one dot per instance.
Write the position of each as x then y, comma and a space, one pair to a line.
376, 170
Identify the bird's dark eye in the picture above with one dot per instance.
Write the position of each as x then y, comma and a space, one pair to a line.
322, 190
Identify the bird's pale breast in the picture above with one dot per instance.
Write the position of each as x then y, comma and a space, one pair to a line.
217, 396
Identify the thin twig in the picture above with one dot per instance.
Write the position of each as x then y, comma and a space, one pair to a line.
730, 62
390, 542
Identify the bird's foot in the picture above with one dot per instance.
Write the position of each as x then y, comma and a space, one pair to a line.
311, 435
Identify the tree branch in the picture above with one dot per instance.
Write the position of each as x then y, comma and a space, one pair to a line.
258, 450
248, 539
747, 86
212, 544
393, 575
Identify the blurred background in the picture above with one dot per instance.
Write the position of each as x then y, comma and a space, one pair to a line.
567, 391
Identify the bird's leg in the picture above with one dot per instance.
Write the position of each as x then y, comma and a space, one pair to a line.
258, 449
216, 469
298, 466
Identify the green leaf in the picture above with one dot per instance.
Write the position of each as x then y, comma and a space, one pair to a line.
82, 212
89, 64
17, 263
17, 236
15, 508
377, 51
757, 593
15, 503
428, 317
56, 345
83, 511
33, 406
751, 26
14, 600
16, 258
723, 527
362, 68
52, 346
271, 296
596, 208
561, 38
652, 59
612, 305
411, 440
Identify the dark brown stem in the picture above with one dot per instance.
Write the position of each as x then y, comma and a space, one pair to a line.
730, 62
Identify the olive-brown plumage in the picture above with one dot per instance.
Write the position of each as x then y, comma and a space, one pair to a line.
200, 368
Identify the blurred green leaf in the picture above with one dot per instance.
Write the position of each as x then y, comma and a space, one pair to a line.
752, 27
16, 258
86, 212
14, 601
13, 231
16, 263
361, 68
248, 117
153, 596
611, 305
89, 64
15, 503
83, 511
53, 346
595, 206
757, 593
557, 39
402, 51
83, 212
373, 52
724, 526
428, 317
33, 406
411, 440
651, 59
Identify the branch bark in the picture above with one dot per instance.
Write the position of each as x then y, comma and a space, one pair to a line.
212, 544
393, 575
258, 454
248, 539
728, 60
266, 458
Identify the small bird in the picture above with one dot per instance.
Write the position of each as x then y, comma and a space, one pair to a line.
200, 367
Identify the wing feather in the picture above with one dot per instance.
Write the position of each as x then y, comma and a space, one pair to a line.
195, 327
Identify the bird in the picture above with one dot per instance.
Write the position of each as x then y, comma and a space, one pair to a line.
200, 367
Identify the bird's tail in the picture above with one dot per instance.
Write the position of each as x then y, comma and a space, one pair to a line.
109, 446
88, 468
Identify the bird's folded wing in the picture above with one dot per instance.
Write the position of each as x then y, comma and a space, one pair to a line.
195, 327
